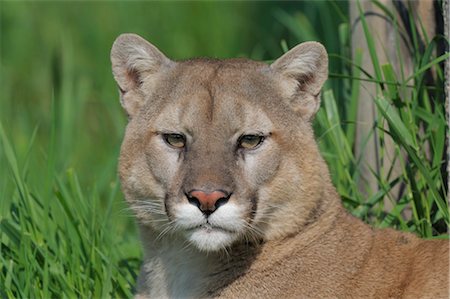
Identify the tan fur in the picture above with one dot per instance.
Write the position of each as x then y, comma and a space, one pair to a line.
282, 230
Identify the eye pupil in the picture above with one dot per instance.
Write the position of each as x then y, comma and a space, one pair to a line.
250, 141
175, 140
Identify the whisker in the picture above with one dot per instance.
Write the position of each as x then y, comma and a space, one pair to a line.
187, 245
254, 234
168, 227
224, 249
143, 208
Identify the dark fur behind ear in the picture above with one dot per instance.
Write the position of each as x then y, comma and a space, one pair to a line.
304, 70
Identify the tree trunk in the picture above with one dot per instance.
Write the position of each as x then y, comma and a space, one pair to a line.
377, 159
447, 83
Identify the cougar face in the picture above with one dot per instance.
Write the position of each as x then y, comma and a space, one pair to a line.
213, 164
210, 143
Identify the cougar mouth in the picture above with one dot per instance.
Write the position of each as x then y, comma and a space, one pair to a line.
213, 232
208, 237
208, 228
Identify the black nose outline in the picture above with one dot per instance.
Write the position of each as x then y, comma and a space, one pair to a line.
219, 202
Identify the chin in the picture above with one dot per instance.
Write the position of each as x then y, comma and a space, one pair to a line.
208, 238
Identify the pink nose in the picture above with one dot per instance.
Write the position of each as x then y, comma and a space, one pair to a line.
208, 202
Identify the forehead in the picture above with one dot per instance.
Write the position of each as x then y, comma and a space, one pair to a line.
231, 93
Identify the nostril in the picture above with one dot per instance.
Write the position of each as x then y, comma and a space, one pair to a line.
193, 200
221, 201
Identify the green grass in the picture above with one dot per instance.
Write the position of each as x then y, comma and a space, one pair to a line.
411, 113
65, 230
65, 246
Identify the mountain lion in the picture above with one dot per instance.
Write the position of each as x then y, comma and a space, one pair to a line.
232, 197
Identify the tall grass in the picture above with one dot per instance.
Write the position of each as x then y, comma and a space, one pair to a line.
64, 228
410, 110
65, 246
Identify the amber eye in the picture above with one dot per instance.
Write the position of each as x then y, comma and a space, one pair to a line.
250, 141
175, 140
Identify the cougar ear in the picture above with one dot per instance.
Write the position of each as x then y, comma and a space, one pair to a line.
303, 71
135, 62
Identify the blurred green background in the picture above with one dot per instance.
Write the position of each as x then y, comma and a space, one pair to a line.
55, 67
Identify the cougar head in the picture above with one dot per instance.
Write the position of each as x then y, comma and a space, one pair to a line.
218, 151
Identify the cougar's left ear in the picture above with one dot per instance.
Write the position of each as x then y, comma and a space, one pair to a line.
303, 71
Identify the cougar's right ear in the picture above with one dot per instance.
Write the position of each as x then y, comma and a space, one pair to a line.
135, 62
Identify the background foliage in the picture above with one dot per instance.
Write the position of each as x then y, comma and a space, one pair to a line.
64, 228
